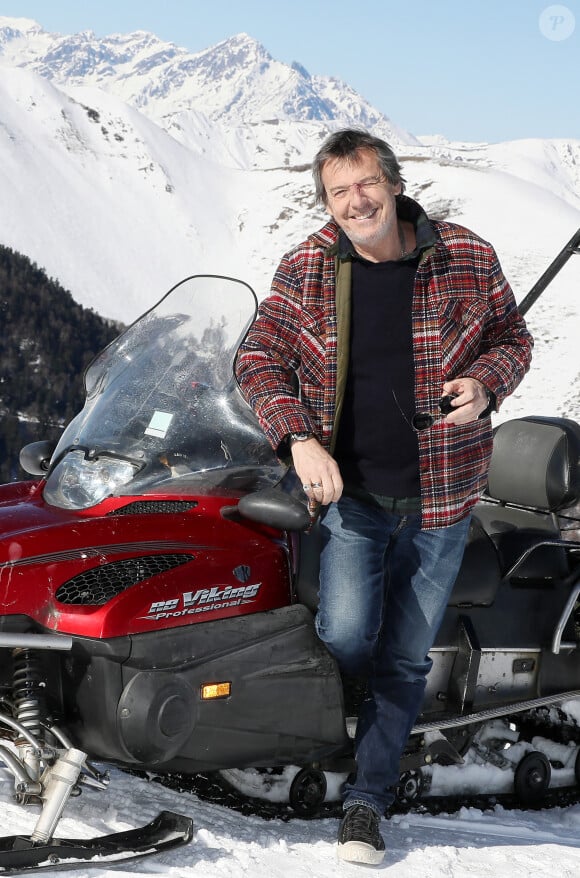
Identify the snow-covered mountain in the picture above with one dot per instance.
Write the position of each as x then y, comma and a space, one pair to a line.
127, 163
232, 84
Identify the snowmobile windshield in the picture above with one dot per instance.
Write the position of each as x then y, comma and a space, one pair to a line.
163, 411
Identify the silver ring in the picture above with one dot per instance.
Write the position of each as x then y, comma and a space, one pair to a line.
306, 487
317, 484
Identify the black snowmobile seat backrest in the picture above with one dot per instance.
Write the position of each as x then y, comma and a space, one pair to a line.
534, 473
536, 463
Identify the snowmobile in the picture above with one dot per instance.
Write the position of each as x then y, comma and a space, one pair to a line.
158, 582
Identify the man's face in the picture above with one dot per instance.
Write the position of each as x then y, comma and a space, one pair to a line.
361, 201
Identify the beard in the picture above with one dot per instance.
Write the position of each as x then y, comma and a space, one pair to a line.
373, 237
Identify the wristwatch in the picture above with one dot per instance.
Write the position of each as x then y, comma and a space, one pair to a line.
300, 437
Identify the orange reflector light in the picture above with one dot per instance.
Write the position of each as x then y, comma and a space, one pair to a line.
215, 690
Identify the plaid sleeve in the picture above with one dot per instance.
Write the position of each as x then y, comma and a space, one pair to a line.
268, 359
506, 344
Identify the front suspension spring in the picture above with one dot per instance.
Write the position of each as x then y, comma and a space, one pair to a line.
28, 690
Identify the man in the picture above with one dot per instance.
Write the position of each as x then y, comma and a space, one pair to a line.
379, 315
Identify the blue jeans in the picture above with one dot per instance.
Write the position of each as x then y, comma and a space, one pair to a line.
384, 586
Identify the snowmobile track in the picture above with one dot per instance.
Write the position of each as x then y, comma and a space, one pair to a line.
211, 788
545, 720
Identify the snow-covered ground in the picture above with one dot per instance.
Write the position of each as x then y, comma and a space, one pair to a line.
468, 841
498, 843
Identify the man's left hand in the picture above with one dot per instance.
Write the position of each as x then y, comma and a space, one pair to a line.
471, 400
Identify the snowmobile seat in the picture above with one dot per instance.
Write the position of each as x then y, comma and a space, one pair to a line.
514, 532
534, 473
479, 576
307, 580
476, 585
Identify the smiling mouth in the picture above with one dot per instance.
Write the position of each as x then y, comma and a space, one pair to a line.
365, 216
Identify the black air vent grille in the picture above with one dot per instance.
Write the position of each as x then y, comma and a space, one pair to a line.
97, 586
155, 507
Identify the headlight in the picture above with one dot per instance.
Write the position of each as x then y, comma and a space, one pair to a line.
78, 483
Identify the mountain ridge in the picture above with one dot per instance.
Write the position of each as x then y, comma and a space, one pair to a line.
235, 81
119, 202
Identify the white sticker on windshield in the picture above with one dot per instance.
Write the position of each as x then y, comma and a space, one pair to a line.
159, 424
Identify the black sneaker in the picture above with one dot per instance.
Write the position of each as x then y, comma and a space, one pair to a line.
359, 839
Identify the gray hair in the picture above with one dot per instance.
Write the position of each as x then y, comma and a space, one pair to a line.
345, 144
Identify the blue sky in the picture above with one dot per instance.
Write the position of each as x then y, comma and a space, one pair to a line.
469, 69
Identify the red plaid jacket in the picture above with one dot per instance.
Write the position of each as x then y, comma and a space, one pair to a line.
464, 321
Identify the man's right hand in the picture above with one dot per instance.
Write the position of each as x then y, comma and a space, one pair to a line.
317, 470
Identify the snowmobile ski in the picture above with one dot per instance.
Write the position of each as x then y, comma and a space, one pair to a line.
19, 854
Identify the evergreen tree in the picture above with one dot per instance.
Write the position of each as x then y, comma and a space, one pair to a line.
46, 342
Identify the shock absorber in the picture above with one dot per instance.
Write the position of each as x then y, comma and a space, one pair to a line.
28, 690
29, 707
